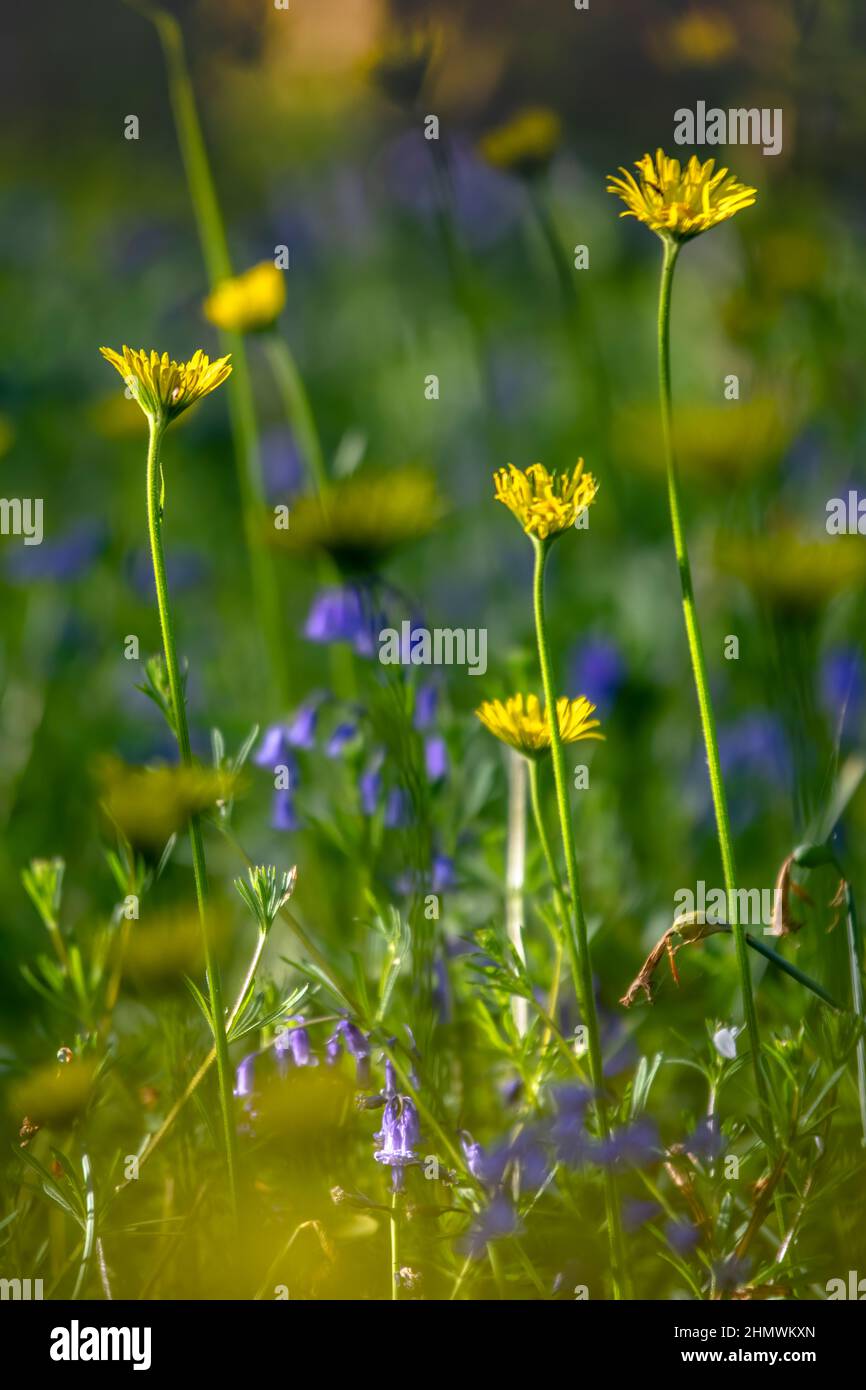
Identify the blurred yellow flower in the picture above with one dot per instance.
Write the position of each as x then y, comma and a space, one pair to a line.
699, 38
791, 572
162, 387
545, 504
166, 947
150, 804
249, 302
719, 444
680, 203
54, 1095
522, 724
361, 519
525, 144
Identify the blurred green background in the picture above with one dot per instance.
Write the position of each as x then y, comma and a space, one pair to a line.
98, 245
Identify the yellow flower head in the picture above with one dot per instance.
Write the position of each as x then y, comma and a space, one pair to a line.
680, 203
164, 388
361, 519
524, 145
793, 573
522, 724
250, 302
545, 504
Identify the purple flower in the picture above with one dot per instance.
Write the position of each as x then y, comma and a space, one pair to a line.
397, 809
681, 1236
62, 560
342, 735
294, 1042
284, 816
281, 463
633, 1145
370, 784
636, 1213
344, 614
598, 671
705, 1141
492, 1223
443, 877
271, 751
245, 1076
435, 758
400, 1133
301, 728
426, 702
474, 1155
843, 684
349, 1034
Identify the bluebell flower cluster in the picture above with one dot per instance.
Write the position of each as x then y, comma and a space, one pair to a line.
400, 1134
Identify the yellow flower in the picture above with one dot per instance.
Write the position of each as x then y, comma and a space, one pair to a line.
721, 445
361, 519
680, 203
792, 573
522, 724
525, 144
699, 38
164, 388
250, 302
545, 504
148, 805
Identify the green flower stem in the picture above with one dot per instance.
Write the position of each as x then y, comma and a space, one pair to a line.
854, 952
297, 406
699, 667
789, 969
395, 1249
515, 874
181, 730
215, 251
577, 941
546, 848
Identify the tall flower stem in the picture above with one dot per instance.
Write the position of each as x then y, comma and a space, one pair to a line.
215, 251
181, 730
515, 874
395, 1249
296, 403
577, 941
699, 668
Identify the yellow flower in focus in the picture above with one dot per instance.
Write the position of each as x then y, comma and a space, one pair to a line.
361, 519
545, 504
680, 203
165, 388
524, 145
250, 302
522, 724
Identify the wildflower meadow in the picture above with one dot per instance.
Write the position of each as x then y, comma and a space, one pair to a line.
432, 660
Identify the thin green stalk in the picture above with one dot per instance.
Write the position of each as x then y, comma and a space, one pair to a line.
515, 870
577, 941
297, 406
789, 969
215, 251
181, 730
853, 936
699, 668
395, 1250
